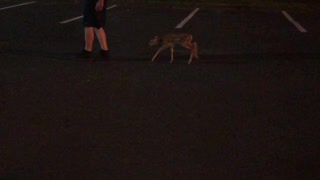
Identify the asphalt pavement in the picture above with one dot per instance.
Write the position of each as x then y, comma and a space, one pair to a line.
248, 109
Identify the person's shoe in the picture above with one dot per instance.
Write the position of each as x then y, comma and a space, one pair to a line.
104, 55
84, 54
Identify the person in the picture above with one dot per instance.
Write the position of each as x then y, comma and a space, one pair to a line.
94, 16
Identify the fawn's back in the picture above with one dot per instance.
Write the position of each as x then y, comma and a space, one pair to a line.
177, 39
171, 39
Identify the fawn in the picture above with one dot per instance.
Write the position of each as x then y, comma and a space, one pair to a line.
170, 40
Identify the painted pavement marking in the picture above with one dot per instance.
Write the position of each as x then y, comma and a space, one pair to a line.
295, 23
79, 17
17, 5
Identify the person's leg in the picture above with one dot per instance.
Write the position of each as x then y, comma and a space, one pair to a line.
88, 25
88, 47
88, 37
102, 38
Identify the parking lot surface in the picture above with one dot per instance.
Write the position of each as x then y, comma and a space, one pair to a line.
248, 109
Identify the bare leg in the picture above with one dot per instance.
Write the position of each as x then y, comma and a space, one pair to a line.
102, 38
88, 37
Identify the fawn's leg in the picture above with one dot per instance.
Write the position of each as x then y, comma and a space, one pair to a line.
189, 46
190, 59
191, 53
171, 50
159, 50
195, 50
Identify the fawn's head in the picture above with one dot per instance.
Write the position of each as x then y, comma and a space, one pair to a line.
154, 41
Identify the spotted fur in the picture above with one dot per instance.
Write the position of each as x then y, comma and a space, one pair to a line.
170, 40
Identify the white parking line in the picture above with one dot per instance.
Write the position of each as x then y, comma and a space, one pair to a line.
72, 19
17, 5
182, 23
295, 23
110, 7
79, 17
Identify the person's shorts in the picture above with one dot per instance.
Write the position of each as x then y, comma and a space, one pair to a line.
94, 19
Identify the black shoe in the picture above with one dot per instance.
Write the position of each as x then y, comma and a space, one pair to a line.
84, 54
104, 55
